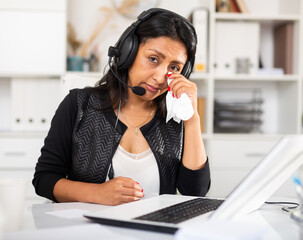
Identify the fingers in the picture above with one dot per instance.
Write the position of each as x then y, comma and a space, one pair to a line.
129, 183
126, 190
117, 191
180, 85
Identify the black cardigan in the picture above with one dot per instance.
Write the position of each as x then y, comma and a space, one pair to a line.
83, 139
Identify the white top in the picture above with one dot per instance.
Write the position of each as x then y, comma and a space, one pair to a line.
141, 167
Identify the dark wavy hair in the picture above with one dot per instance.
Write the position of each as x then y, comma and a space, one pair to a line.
159, 24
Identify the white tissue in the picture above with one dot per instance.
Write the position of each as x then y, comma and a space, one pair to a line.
178, 108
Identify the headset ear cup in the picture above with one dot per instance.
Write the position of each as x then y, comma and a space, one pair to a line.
127, 52
187, 69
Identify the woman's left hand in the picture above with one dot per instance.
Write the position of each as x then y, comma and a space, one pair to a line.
180, 85
194, 156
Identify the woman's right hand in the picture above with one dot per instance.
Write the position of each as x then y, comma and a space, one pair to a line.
117, 191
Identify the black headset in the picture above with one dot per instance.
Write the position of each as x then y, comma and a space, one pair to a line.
126, 48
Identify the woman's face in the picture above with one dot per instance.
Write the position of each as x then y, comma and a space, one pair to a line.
155, 58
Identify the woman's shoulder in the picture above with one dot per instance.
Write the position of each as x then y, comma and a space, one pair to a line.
78, 93
82, 97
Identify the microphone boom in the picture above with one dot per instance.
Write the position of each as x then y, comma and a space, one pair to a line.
140, 91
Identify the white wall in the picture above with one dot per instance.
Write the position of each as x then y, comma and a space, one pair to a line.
85, 14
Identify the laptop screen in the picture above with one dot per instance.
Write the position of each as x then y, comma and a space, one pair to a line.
276, 167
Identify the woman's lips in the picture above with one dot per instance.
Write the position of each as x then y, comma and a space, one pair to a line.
151, 88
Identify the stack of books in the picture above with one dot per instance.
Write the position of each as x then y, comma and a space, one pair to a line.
238, 116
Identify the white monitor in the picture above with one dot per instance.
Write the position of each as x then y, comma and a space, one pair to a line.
276, 167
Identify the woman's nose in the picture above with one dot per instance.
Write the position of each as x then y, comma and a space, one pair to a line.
160, 75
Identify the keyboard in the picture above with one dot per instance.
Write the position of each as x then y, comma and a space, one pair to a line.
182, 211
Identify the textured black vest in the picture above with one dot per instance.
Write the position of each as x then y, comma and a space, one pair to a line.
95, 140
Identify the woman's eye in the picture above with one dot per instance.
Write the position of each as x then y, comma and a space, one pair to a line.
175, 68
153, 59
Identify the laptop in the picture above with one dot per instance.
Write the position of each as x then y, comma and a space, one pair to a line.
167, 213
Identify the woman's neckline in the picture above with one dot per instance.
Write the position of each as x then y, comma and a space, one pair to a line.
135, 155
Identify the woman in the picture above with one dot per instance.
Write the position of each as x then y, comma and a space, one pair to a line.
110, 145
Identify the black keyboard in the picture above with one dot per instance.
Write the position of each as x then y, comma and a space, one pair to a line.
182, 211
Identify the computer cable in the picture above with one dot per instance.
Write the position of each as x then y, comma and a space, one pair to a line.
285, 208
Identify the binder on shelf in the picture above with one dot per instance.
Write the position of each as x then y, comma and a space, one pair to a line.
5, 105
18, 121
236, 41
34, 102
201, 112
48, 97
283, 47
199, 19
24, 104
30, 104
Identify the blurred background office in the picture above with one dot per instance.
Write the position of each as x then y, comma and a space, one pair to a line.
248, 71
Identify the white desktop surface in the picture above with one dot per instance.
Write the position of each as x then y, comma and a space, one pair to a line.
43, 218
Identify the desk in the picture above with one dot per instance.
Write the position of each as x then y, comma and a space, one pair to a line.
39, 217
